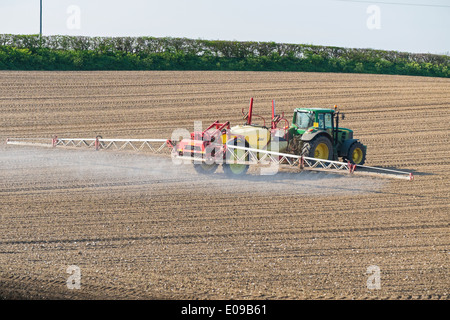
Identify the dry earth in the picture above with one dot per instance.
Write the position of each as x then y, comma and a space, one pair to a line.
139, 227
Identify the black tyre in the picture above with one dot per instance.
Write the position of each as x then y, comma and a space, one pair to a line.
295, 145
356, 153
319, 148
237, 169
204, 168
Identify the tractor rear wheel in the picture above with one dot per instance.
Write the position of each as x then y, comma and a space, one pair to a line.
319, 148
204, 168
356, 153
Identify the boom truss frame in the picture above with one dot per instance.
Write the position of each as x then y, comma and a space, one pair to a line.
249, 156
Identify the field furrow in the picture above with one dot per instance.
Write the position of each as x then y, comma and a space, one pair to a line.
140, 227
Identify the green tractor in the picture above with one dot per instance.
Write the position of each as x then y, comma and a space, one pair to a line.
315, 133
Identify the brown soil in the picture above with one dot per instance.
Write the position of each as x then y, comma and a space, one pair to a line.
139, 227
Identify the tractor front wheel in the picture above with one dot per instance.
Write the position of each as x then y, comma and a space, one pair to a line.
357, 153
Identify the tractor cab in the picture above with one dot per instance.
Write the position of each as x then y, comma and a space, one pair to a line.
314, 119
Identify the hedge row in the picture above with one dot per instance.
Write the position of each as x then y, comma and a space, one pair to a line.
30, 52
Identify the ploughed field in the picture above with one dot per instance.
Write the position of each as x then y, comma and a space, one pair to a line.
140, 227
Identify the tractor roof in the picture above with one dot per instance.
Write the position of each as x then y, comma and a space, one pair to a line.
322, 110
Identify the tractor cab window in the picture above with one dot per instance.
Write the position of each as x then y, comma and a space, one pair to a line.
304, 120
328, 121
325, 121
321, 121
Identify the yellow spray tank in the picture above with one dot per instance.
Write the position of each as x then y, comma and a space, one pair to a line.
260, 136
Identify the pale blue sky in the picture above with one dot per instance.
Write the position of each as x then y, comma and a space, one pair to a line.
408, 25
